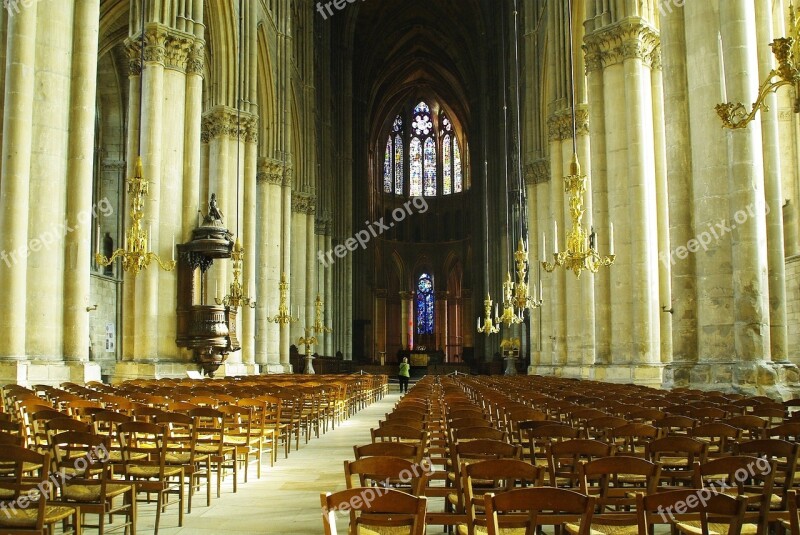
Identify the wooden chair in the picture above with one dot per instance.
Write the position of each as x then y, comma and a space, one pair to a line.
182, 451
532, 508
410, 452
370, 507
151, 474
386, 471
741, 475
677, 456
700, 513
485, 477
25, 508
720, 437
210, 440
238, 428
564, 459
84, 457
615, 481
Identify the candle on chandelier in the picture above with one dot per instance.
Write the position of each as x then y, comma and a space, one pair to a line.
173, 247
555, 236
479, 324
544, 246
97, 239
611, 238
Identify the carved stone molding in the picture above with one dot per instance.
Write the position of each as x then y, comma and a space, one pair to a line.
406, 296
155, 39
134, 57
537, 172
631, 38
270, 171
288, 176
559, 125
222, 121
195, 63
303, 203
176, 52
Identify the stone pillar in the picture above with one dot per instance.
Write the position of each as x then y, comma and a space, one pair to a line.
269, 270
298, 277
14, 182
79, 178
406, 306
466, 318
193, 121
440, 320
679, 171
286, 240
329, 302
249, 241
745, 193
312, 284
47, 213
623, 55
772, 192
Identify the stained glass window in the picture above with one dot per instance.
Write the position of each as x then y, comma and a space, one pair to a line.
398, 164
415, 161
430, 167
425, 302
458, 180
447, 162
422, 120
387, 167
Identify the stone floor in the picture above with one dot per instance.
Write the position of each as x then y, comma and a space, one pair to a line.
285, 501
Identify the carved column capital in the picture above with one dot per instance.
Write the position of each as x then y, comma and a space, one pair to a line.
270, 171
406, 296
176, 51
133, 50
195, 63
537, 172
559, 124
631, 38
303, 203
155, 39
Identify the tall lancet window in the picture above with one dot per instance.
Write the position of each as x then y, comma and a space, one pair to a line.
393, 159
425, 301
423, 164
423, 157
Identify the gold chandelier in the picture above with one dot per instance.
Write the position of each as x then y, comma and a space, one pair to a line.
488, 326
319, 322
581, 253
236, 297
134, 253
283, 317
787, 52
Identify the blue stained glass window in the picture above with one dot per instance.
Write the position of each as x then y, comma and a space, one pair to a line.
425, 301
447, 163
415, 161
398, 165
430, 167
422, 120
458, 180
398, 124
387, 167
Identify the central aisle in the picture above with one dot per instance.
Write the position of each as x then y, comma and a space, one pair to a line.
285, 501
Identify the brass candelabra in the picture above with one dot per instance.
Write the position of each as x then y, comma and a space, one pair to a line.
488, 327
134, 253
509, 316
236, 297
283, 317
319, 321
523, 297
581, 253
787, 53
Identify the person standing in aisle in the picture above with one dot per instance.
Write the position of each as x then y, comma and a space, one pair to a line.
404, 375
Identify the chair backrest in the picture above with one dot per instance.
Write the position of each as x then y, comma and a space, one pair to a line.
143, 444
19, 483
564, 458
383, 508
384, 471
690, 505
609, 478
531, 508
492, 476
404, 450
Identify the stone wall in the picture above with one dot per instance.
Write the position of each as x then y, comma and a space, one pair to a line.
793, 307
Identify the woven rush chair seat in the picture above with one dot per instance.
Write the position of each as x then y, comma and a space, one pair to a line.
602, 529
694, 528
84, 493
26, 518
